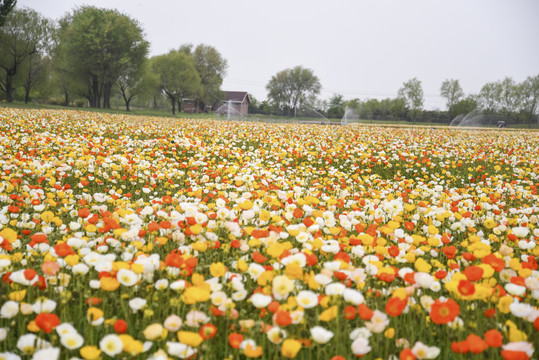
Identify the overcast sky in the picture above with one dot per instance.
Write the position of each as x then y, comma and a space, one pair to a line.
357, 48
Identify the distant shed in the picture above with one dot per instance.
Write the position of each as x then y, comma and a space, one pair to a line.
239, 100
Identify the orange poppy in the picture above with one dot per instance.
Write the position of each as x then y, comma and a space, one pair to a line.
407, 354
443, 312
473, 273
476, 344
514, 355
47, 322
259, 258
494, 338
235, 339
466, 288
63, 249
395, 306
364, 312
283, 318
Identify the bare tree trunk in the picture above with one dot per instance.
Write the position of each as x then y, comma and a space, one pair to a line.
9, 87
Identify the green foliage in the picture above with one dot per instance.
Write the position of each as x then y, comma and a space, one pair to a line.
293, 87
452, 92
97, 47
464, 106
412, 93
336, 106
211, 68
5, 7
530, 97
25, 32
178, 77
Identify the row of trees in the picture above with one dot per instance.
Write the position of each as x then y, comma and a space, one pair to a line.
96, 54
516, 102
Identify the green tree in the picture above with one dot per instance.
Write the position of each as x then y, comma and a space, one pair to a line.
24, 34
452, 92
136, 81
178, 77
397, 108
5, 7
412, 93
336, 106
99, 45
510, 97
370, 109
211, 67
36, 70
291, 88
530, 97
464, 106
489, 97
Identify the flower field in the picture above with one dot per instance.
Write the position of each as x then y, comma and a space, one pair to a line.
151, 238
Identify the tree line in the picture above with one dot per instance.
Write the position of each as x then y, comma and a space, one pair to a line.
505, 99
95, 54
94, 57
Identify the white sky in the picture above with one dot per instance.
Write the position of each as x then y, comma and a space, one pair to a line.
358, 48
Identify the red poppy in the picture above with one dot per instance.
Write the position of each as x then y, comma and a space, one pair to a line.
490, 312
466, 288
120, 326
349, 312
47, 322
29, 274
207, 331
440, 274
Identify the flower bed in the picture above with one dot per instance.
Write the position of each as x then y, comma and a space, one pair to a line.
151, 238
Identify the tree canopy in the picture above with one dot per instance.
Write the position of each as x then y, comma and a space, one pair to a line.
99, 45
177, 75
412, 93
5, 7
293, 87
452, 92
25, 32
211, 68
